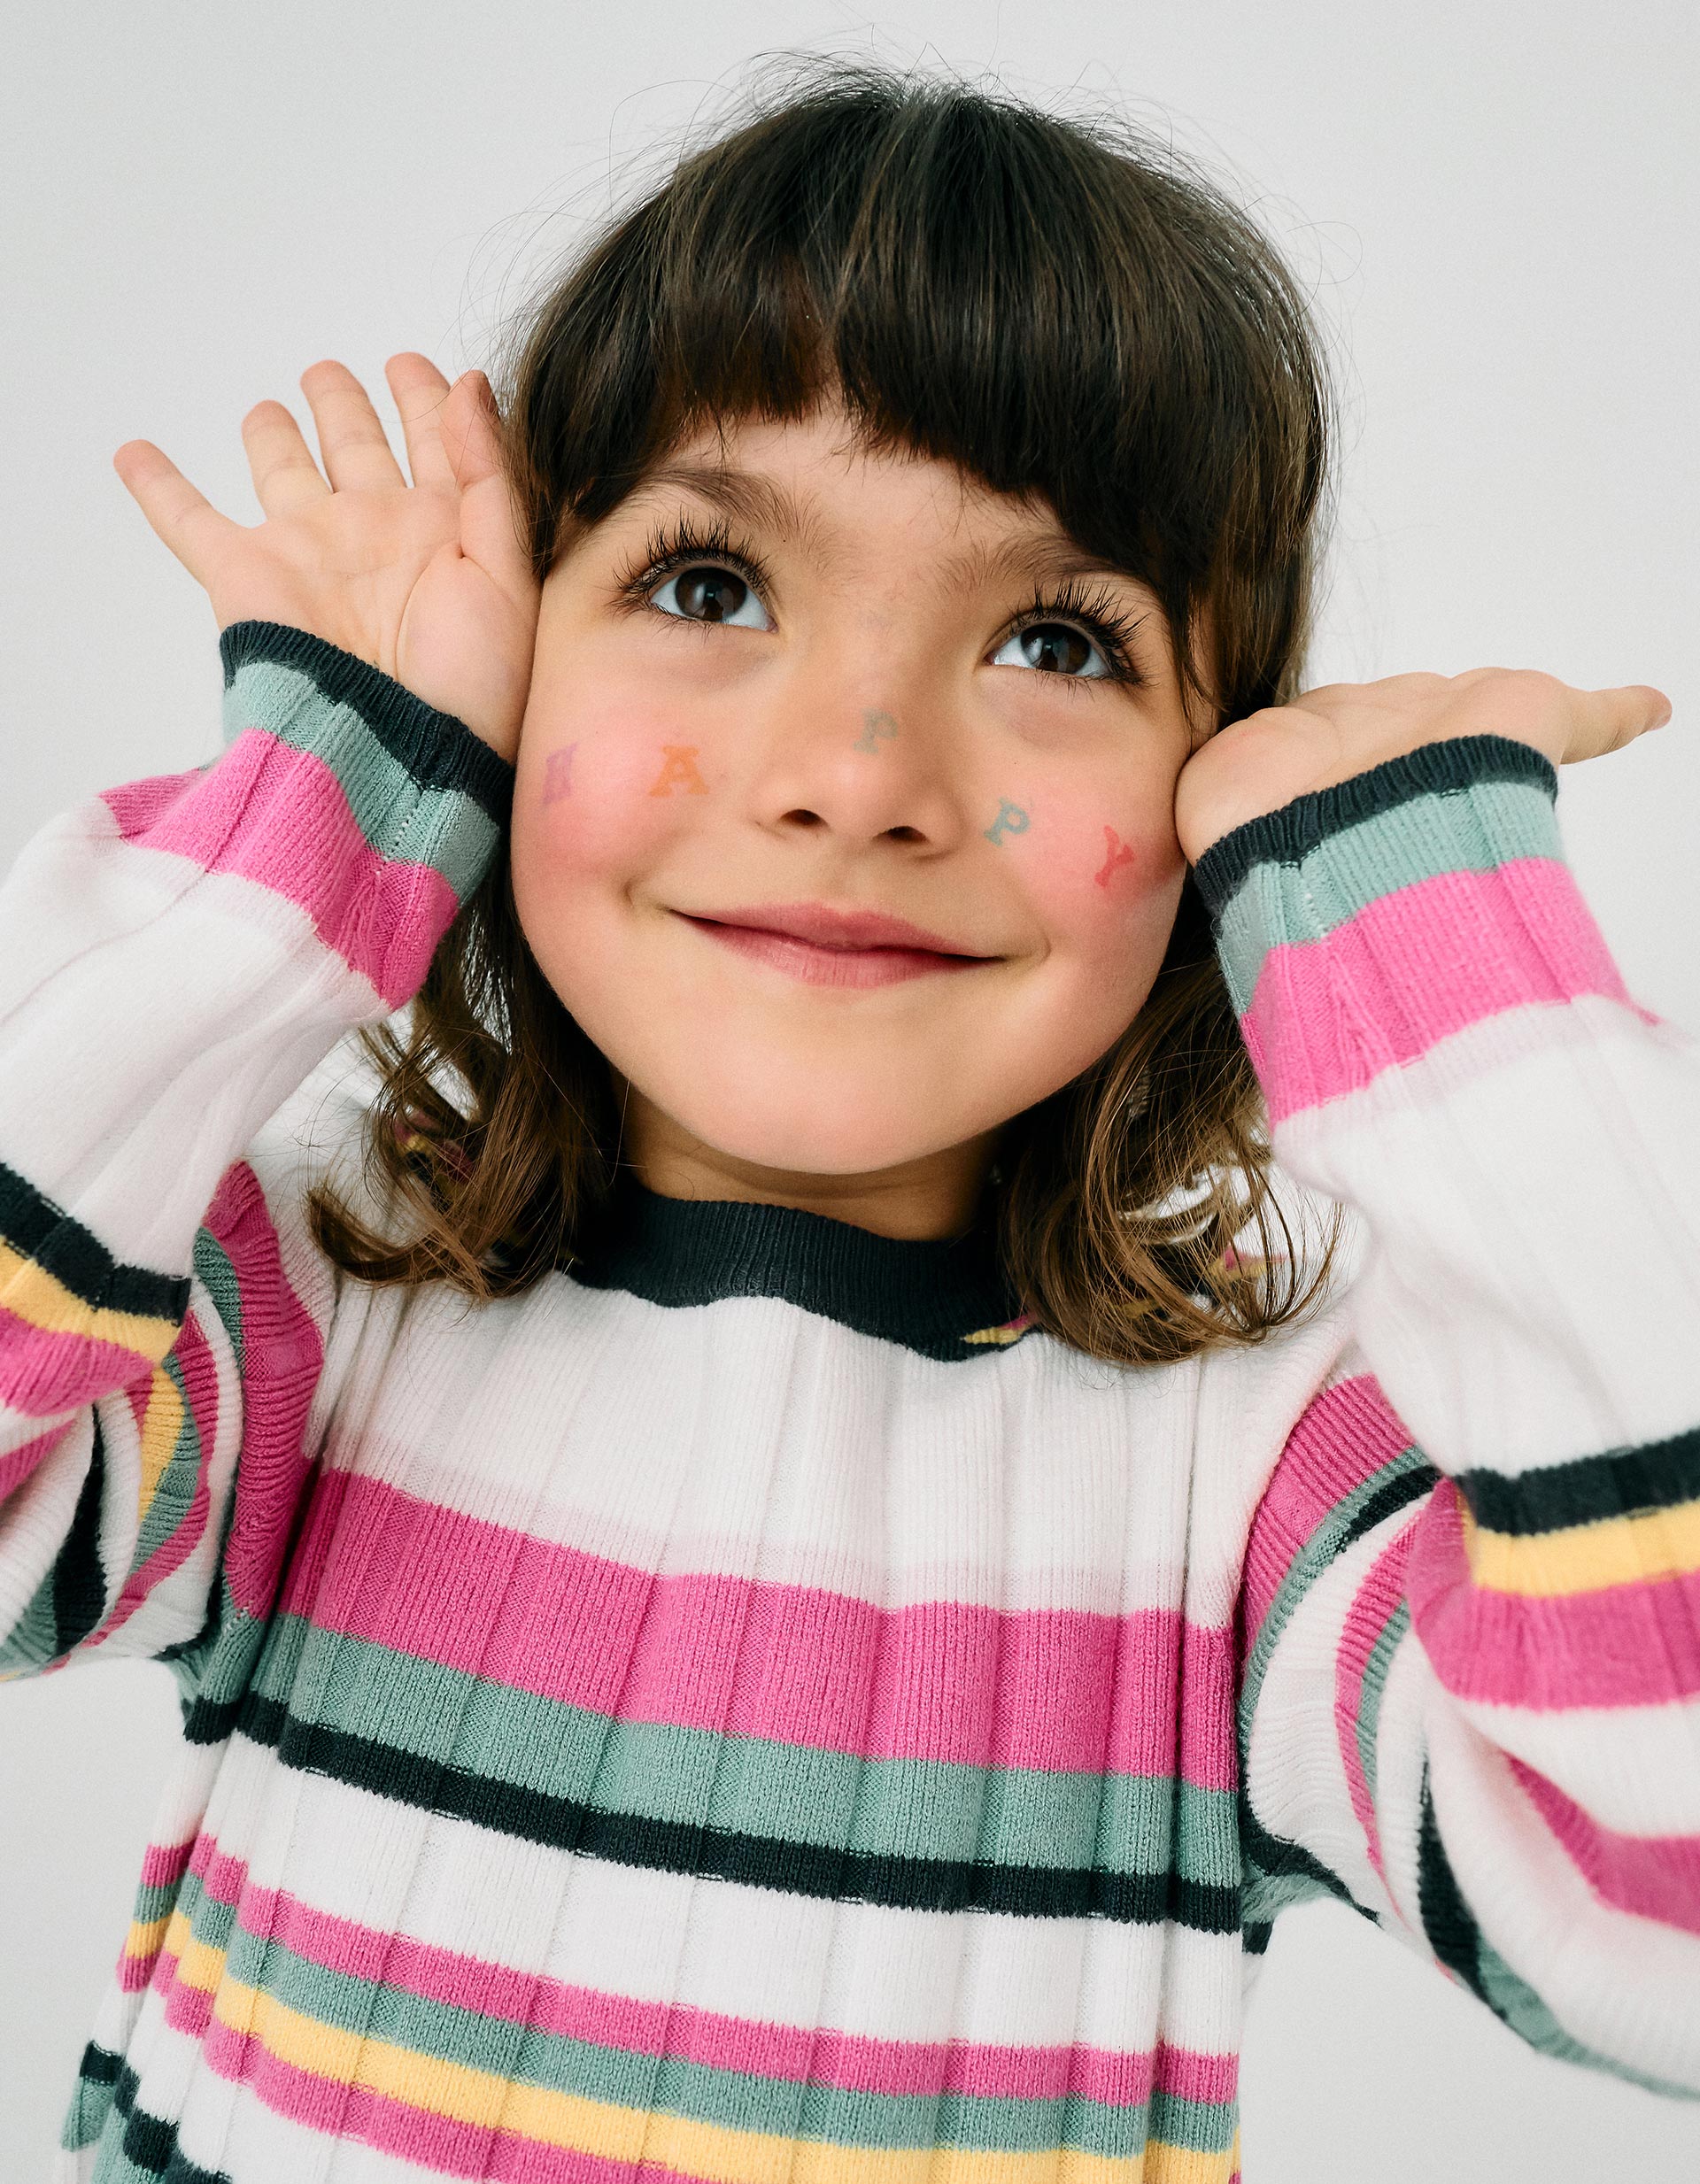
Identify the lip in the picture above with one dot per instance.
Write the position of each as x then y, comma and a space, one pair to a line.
825, 946
824, 927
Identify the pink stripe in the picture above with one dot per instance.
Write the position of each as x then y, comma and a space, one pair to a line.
1625, 1645
756, 2047
282, 1358
942, 1680
280, 817
18, 1463
1372, 1607
1328, 1016
43, 1373
1347, 1433
164, 1863
200, 1389
1653, 1876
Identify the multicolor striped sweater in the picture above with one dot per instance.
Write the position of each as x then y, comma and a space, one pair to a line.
751, 1708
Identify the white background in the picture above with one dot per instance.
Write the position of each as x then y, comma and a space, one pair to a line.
1495, 207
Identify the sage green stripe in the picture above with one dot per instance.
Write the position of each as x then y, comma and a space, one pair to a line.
1307, 1565
401, 819
1511, 1998
217, 1276
1474, 830
625, 2078
30, 1643
900, 1808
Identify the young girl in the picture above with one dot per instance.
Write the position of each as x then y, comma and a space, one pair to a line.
780, 1547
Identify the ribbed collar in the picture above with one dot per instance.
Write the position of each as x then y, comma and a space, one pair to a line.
945, 1300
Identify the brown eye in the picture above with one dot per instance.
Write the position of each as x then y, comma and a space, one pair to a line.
704, 593
1054, 648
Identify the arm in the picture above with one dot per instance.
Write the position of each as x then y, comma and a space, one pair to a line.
1471, 1698
176, 958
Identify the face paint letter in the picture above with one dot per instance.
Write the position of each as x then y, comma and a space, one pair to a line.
557, 774
874, 724
1115, 852
1011, 820
680, 771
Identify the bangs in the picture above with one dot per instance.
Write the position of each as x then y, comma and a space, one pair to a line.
1058, 310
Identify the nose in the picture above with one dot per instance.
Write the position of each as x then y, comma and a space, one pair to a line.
867, 758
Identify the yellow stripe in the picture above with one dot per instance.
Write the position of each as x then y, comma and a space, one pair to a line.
34, 1295
486, 2102
161, 1424
143, 1940
1585, 1558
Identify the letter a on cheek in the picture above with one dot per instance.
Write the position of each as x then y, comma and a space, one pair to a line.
679, 772
1117, 853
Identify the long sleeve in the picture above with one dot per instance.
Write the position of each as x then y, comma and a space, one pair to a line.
177, 959
1470, 1611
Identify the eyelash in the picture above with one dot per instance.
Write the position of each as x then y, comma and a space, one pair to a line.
684, 543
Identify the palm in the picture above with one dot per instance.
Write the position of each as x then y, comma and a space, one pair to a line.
430, 583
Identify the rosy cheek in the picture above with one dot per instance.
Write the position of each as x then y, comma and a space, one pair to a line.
606, 796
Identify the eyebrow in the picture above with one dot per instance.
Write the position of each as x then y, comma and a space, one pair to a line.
1044, 557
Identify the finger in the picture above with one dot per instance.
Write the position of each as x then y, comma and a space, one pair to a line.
280, 462
491, 527
420, 391
1605, 720
353, 443
178, 512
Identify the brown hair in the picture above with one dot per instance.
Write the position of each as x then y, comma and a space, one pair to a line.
1066, 312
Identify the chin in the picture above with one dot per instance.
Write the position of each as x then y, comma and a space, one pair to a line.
808, 1128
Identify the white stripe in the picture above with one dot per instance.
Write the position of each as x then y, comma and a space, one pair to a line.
750, 1439
712, 1944
193, 1005
1535, 1285
1633, 1769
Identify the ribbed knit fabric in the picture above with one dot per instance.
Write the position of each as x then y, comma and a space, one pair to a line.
754, 1707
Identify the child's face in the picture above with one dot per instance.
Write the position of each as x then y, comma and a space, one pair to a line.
864, 729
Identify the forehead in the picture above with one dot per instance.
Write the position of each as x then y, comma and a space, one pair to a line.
821, 485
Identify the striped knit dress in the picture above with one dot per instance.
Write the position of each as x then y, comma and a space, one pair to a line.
752, 1708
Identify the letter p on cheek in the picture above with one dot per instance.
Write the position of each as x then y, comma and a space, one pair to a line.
1011, 820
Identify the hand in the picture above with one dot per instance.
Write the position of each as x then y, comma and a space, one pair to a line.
429, 583
1327, 735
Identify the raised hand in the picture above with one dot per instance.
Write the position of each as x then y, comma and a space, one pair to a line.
431, 582
1327, 735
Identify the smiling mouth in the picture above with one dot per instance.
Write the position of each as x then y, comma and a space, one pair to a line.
837, 962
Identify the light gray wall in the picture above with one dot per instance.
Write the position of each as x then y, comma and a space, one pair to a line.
1495, 206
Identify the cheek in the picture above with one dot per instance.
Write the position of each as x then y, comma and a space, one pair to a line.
1104, 876
601, 795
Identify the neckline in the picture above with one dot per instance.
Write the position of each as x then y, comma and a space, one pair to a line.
944, 1298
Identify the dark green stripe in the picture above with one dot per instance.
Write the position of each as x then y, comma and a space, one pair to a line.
1624, 1482
1289, 835
151, 2143
925, 1295
79, 1581
904, 1808
755, 1861
44, 1233
435, 749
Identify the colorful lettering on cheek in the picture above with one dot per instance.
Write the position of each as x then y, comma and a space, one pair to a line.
1011, 820
874, 724
679, 772
1117, 853
557, 774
